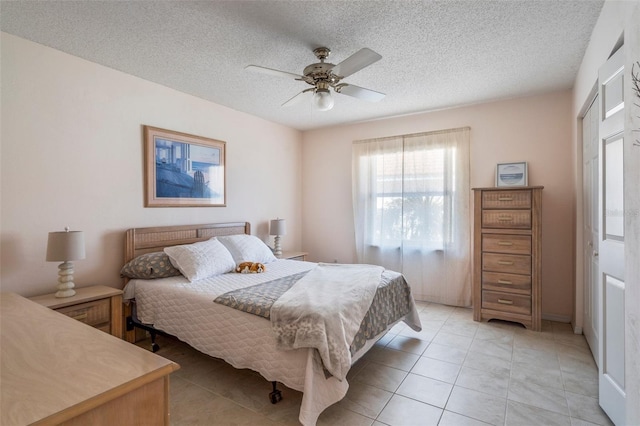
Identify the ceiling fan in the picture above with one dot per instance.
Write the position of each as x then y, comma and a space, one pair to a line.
324, 75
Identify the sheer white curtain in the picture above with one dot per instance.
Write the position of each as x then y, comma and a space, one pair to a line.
411, 211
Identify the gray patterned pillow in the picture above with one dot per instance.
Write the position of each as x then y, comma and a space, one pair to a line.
149, 266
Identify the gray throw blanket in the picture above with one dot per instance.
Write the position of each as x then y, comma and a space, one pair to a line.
324, 310
392, 301
258, 299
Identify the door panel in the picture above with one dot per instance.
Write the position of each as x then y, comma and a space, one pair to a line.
613, 94
613, 366
611, 265
595, 187
614, 198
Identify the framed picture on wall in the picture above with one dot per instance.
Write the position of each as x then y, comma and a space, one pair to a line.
512, 174
183, 170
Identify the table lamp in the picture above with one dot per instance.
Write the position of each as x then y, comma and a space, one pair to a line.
65, 247
278, 227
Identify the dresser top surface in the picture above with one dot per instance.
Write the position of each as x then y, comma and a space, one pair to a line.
507, 188
50, 362
83, 294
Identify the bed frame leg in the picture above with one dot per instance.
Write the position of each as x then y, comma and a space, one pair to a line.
133, 323
154, 345
276, 395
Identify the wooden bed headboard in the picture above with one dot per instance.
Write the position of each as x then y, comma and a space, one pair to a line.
148, 240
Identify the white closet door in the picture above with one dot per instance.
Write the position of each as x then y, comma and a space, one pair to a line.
591, 318
611, 368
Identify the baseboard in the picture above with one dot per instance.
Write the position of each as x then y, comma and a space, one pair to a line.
564, 319
556, 318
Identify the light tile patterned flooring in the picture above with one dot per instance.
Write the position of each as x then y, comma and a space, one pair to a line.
454, 372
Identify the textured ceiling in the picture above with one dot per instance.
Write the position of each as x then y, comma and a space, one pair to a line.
435, 54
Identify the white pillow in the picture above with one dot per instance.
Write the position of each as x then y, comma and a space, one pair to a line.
201, 260
247, 248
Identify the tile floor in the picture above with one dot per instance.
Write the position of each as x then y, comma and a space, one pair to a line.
454, 372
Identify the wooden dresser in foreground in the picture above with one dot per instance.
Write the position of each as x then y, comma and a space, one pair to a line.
506, 255
57, 371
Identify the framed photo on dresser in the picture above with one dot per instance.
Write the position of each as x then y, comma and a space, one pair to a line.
512, 174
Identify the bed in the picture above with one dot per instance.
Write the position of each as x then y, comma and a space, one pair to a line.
186, 309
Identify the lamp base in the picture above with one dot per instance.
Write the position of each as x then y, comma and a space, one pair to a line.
65, 280
65, 293
277, 250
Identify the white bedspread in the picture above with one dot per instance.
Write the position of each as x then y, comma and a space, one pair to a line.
187, 311
320, 311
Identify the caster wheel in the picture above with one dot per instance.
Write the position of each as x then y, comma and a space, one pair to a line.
275, 396
154, 347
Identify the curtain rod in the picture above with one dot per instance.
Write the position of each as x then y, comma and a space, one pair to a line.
435, 132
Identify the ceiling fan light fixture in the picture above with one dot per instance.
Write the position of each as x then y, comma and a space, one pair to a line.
322, 76
322, 100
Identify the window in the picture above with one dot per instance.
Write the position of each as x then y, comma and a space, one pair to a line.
411, 197
411, 210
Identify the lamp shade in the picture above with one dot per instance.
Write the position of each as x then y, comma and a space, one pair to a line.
278, 227
65, 245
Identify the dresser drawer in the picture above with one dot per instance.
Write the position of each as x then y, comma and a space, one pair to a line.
506, 199
511, 219
94, 313
509, 283
509, 263
513, 303
98, 306
511, 244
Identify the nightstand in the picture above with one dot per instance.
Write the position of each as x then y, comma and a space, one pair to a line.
98, 306
294, 255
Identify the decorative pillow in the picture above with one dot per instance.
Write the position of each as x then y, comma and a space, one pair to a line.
245, 248
201, 260
149, 266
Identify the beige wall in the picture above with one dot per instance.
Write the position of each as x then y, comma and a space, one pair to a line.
72, 155
535, 129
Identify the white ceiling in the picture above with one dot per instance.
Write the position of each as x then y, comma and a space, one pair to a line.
435, 54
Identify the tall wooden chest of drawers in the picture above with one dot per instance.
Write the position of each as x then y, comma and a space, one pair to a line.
506, 254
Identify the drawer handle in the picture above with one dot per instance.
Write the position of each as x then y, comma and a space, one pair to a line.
505, 217
504, 262
504, 281
505, 243
505, 301
79, 317
505, 198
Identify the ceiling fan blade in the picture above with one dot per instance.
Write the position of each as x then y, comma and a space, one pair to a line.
297, 98
354, 63
270, 71
360, 92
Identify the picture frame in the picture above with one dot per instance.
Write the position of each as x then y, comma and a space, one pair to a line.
183, 170
512, 174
